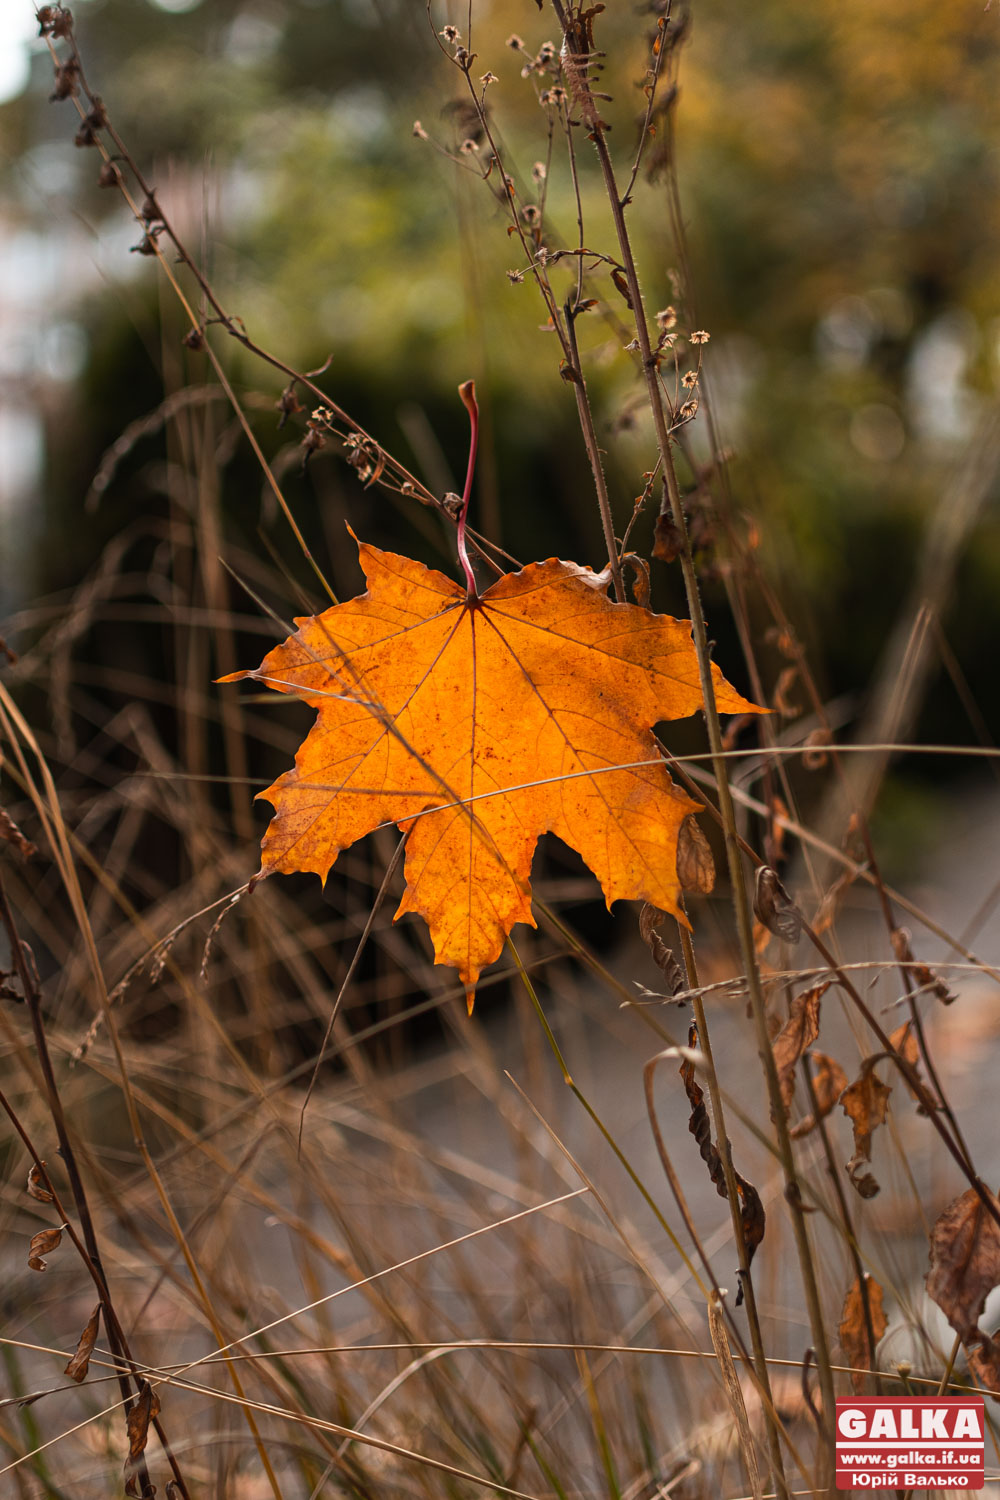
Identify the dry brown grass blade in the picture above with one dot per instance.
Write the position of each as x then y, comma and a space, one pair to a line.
734, 1393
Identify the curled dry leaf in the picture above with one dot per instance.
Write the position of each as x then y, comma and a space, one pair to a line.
922, 974
37, 1188
752, 1215
814, 757
782, 693
865, 1102
650, 918
734, 729
640, 578
774, 908
475, 723
695, 865
829, 1081
42, 1243
799, 1032
853, 1327
80, 1362
965, 1262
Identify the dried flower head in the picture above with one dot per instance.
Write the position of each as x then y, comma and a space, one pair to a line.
419, 131
700, 337
514, 42
666, 318
530, 213
546, 53
515, 277
55, 21
450, 33
66, 80
468, 146
555, 95
688, 410
690, 379
539, 171
487, 79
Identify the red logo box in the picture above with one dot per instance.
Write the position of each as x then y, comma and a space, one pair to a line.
897, 1443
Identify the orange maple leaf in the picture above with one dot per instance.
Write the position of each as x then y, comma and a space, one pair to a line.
475, 723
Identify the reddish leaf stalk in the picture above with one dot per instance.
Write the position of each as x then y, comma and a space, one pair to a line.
467, 391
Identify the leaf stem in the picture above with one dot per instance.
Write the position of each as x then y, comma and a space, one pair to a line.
467, 391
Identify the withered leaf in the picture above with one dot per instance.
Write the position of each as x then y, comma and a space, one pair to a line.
853, 1327
650, 917
829, 1082
865, 1102
799, 1032
42, 1243
924, 976
754, 1220
137, 1422
80, 1363
695, 865
984, 1364
668, 543
37, 1188
752, 1215
965, 1262
699, 1124
774, 908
